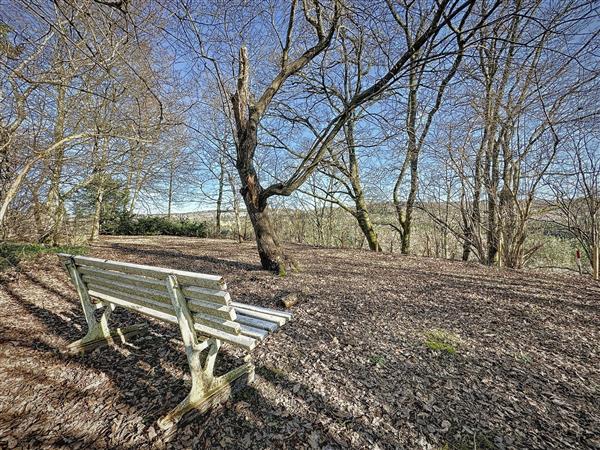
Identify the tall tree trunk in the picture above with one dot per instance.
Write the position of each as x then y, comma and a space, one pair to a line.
493, 240
38, 209
136, 169
220, 195
99, 174
366, 226
236, 207
57, 224
362, 212
473, 223
55, 199
269, 250
404, 214
410, 203
97, 213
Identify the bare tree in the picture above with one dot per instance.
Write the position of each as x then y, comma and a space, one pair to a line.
576, 189
82, 104
420, 114
249, 111
529, 92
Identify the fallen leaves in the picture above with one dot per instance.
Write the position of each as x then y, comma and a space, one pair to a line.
351, 369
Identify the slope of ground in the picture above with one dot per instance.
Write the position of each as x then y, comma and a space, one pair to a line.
351, 371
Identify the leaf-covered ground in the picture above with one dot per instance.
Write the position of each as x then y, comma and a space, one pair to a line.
354, 369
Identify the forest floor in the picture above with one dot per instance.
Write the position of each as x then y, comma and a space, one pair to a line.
517, 363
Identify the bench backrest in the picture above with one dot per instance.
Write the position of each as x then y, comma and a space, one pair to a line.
144, 289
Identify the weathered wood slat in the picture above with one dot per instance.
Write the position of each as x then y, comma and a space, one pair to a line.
257, 323
132, 298
252, 332
208, 311
273, 312
221, 311
153, 287
208, 295
145, 310
242, 341
260, 315
184, 277
225, 325
120, 277
117, 287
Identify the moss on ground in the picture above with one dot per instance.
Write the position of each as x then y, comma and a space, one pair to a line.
442, 340
12, 253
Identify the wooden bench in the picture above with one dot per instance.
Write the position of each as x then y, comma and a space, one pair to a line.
199, 303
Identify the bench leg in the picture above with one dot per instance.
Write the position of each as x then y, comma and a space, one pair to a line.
207, 390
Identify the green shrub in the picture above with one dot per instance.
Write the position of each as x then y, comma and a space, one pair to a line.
12, 253
128, 225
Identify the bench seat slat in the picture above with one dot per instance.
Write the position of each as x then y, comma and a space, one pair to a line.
221, 311
260, 315
243, 341
184, 277
274, 312
147, 311
257, 323
225, 325
252, 332
152, 287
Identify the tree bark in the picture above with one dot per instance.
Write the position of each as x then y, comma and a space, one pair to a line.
269, 250
220, 196
55, 198
97, 212
246, 120
362, 212
410, 203
236, 207
366, 226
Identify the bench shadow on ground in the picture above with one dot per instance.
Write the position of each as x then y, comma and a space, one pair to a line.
148, 390
138, 375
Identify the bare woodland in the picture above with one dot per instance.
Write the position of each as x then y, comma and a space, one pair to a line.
480, 117
341, 140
